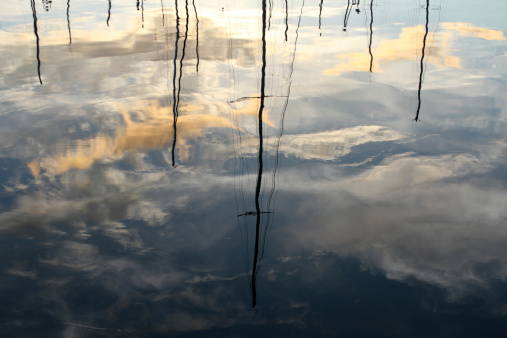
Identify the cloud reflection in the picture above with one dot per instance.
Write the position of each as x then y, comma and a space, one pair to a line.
151, 129
406, 47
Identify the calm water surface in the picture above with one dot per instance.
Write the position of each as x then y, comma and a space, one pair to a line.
253, 169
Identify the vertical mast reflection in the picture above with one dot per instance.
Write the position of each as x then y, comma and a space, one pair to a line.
422, 61
371, 36
286, 19
347, 14
175, 107
108, 13
68, 21
262, 210
163, 14
35, 31
320, 14
260, 158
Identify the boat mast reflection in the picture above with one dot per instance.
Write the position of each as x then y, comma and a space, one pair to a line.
108, 13
348, 10
68, 21
263, 224
371, 36
421, 73
175, 102
320, 14
256, 263
37, 42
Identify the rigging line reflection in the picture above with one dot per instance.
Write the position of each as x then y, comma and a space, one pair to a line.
35, 31
348, 10
108, 13
68, 21
270, 13
421, 73
272, 194
175, 108
371, 36
197, 37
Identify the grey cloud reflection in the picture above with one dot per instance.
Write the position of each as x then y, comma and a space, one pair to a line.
413, 219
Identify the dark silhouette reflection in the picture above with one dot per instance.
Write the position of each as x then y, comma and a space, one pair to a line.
346, 18
286, 19
34, 13
47, 4
197, 37
108, 13
262, 214
175, 102
68, 21
421, 73
142, 13
163, 14
137, 4
348, 10
320, 14
371, 36
258, 184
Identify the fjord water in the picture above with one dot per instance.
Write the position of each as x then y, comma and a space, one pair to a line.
253, 169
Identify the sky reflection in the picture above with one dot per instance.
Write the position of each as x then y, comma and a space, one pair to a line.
197, 169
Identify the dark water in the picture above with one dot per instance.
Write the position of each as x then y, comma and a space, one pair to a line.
253, 169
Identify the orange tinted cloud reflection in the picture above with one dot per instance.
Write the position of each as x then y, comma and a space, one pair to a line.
147, 126
150, 128
408, 46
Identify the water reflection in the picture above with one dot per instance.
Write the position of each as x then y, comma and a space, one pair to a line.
108, 14
68, 19
37, 43
120, 174
427, 8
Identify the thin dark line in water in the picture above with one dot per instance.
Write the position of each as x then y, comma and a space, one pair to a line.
254, 213
260, 157
142, 12
272, 194
175, 109
197, 37
347, 14
244, 98
286, 19
270, 13
371, 36
422, 62
182, 57
163, 14
320, 13
93, 328
68, 21
108, 13
35, 31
